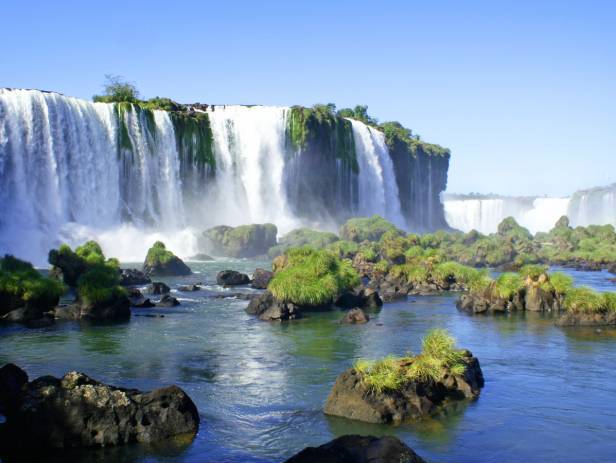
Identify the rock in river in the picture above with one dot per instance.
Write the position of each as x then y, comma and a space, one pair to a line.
78, 411
232, 278
359, 449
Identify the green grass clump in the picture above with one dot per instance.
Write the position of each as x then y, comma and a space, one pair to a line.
344, 248
382, 266
508, 284
586, 300
533, 271
302, 237
561, 282
313, 277
21, 284
439, 356
461, 274
100, 284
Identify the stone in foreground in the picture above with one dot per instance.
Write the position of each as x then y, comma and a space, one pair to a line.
359, 449
355, 316
231, 278
78, 411
352, 398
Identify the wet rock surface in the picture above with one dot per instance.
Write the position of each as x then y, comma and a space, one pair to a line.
232, 278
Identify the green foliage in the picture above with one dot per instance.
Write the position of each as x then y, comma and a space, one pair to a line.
367, 229
452, 271
344, 248
158, 255
100, 284
533, 271
508, 284
194, 138
322, 128
21, 284
313, 277
116, 90
561, 282
586, 300
509, 227
302, 237
439, 356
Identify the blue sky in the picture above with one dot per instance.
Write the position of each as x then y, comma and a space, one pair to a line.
522, 92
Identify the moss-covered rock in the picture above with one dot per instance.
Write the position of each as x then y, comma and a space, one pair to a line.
367, 229
161, 262
243, 241
302, 237
25, 294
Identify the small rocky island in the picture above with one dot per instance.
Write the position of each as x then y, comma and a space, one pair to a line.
395, 390
78, 411
161, 262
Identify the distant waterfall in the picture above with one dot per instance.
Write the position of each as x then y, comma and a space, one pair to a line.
378, 192
72, 170
597, 206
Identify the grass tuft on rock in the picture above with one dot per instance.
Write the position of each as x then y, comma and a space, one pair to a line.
313, 277
439, 356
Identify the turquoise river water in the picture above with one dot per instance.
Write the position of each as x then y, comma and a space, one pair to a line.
260, 387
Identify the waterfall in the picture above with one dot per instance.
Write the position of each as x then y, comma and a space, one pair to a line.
72, 170
588, 207
377, 191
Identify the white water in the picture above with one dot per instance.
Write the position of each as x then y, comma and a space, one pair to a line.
590, 207
378, 191
64, 177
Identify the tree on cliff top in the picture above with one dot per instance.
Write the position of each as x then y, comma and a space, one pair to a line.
116, 90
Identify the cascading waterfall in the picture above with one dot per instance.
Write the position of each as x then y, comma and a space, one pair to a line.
72, 170
378, 193
588, 207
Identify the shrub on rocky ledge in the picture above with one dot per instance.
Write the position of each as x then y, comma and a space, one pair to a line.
372, 228
161, 262
312, 277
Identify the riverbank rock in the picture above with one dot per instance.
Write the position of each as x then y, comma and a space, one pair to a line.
161, 262
167, 301
261, 278
78, 411
243, 241
366, 298
351, 398
232, 278
133, 277
355, 316
268, 308
117, 308
359, 449
587, 319
158, 288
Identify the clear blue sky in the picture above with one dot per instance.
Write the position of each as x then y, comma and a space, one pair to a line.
523, 92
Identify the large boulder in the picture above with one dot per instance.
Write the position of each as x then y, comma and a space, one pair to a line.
268, 308
139, 300
352, 398
161, 262
78, 411
243, 241
12, 380
366, 298
359, 449
158, 288
261, 278
133, 277
115, 308
232, 278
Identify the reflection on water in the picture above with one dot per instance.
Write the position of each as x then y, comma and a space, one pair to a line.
260, 387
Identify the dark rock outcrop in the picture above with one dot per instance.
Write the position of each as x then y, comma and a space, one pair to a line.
158, 288
77, 411
366, 298
355, 316
133, 277
268, 308
138, 300
189, 288
232, 278
117, 308
359, 449
351, 398
261, 278
167, 301
12, 380
587, 319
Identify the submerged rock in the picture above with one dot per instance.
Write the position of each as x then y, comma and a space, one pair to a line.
261, 278
78, 411
352, 398
232, 278
167, 301
359, 449
366, 298
161, 262
138, 300
189, 288
133, 277
355, 316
